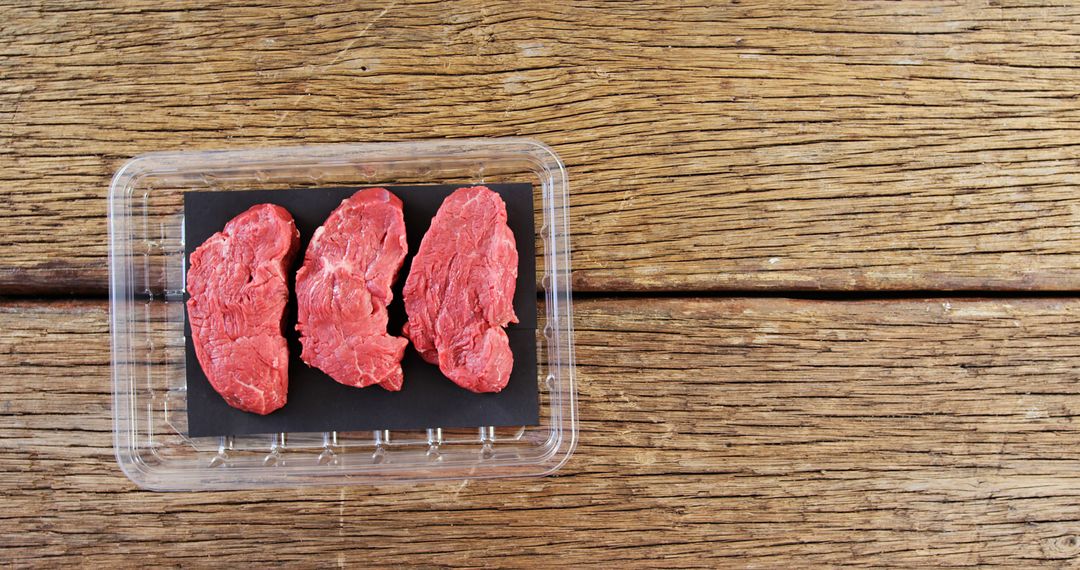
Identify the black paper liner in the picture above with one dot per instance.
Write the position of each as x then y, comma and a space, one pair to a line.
316, 403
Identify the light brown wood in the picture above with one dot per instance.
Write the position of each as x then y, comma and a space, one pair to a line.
717, 147
742, 145
738, 432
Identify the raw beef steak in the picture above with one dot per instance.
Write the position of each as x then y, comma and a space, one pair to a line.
460, 290
237, 290
344, 287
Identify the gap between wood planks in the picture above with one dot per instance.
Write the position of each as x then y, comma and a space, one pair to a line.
839, 296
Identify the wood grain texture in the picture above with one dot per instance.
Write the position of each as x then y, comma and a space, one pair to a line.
737, 432
736, 145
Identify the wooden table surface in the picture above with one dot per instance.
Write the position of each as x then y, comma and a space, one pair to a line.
826, 259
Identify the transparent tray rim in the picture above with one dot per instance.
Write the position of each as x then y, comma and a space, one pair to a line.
138, 462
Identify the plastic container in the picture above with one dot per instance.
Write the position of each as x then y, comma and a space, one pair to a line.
147, 287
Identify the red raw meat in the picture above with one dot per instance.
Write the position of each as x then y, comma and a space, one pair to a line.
238, 291
460, 291
344, 287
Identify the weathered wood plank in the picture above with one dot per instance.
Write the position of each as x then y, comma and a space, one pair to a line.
714, 432
745, 145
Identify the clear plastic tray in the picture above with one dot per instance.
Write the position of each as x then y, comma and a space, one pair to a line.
147, 287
